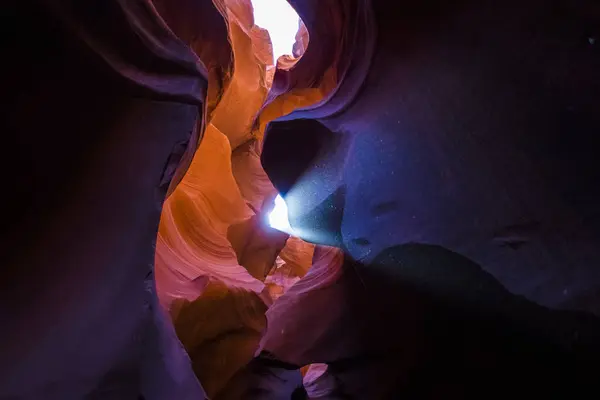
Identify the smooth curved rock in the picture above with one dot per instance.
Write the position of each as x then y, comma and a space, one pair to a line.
466, 125
220, 330
472, 131
387, 335
100, 121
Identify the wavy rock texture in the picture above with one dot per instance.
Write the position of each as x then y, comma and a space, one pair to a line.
472, 131
225, 184
214, 252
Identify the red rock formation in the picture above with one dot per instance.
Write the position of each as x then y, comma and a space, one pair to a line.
431, 123
213, 227
225, 184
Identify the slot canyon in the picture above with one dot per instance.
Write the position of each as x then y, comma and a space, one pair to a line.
300, 199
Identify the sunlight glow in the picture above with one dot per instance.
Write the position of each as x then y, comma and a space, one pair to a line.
278, 218
282, 22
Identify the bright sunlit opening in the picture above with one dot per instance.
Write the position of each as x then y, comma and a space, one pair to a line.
278, 218
282, 22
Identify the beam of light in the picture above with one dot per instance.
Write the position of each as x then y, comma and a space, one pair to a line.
282, 22
278, 218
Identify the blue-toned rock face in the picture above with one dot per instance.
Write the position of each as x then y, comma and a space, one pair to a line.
473, 130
